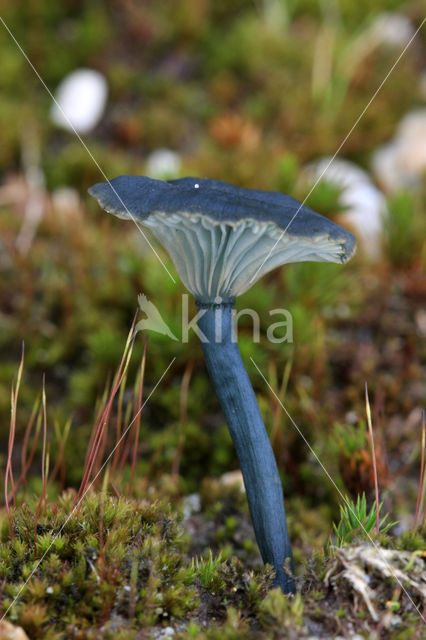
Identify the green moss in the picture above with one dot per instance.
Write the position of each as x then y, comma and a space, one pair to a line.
411, 540
404, 230
252, 111
234, 628
279, 610
135, 566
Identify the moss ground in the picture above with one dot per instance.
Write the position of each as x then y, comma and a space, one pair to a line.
249, 92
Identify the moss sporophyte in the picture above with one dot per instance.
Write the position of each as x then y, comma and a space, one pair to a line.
222, 239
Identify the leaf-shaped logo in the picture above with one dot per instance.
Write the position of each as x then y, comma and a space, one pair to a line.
153, 320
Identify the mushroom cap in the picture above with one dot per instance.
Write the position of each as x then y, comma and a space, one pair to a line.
223, 238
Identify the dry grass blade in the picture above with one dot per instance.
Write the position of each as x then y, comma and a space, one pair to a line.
137, 415
99, 410
101, 426
118, 426
26, 459
373, 457
277, 412
44, 467
122, 447
60, 467
9, 471
422, 479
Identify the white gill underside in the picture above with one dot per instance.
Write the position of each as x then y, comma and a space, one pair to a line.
220, 260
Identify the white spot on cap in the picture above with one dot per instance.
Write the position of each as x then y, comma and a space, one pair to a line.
196, 186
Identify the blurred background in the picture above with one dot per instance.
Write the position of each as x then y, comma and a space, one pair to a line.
258, 93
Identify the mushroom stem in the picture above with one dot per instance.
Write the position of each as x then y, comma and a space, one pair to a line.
257, 460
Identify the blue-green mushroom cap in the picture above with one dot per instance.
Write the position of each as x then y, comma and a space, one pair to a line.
223, 238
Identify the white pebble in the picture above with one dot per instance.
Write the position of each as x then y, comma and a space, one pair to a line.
191, 504
392, 28
163, 163
365, 204
400, 163
80, 100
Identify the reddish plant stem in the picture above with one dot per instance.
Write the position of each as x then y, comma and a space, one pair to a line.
44, 467
123, 449
99, 411
24, 465
102, 423
32, 452
137, 417
9, 470
118, 426
115, 490
59, 468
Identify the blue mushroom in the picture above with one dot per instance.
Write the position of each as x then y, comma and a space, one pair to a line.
222, 239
